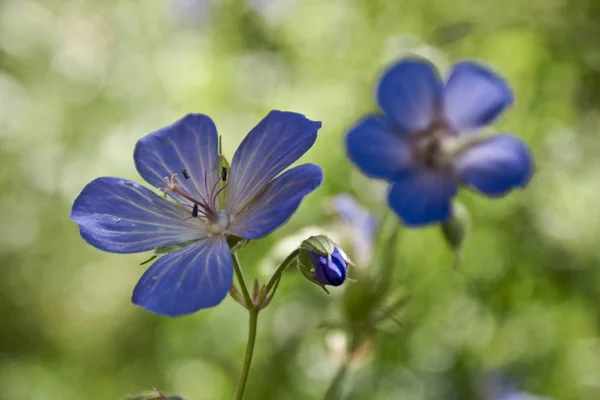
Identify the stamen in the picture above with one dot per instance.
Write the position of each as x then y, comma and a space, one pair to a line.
185, 174
212, 191
215, 195
201, 208
224, 174
170, 181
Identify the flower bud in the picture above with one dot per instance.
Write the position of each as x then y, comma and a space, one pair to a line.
456, 228
322, 262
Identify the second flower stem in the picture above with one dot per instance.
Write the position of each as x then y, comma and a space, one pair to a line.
252, 328
241, 280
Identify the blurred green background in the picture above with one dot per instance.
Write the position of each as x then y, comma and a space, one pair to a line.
82, 80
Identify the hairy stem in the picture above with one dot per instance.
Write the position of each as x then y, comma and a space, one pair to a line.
252, 328
276, 275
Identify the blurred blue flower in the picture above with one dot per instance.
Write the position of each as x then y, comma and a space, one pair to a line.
190, 12
329, 269
427, 141
362, 226
498, 388
209, 204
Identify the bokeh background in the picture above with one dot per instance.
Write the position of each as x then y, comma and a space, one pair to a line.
82, 80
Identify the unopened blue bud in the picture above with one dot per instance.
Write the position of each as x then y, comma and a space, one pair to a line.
329, 270
322, 262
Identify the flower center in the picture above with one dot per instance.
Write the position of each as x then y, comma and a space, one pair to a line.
218, 225
431, 146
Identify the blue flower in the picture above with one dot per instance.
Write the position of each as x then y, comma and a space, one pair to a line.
329, 269
499, 388
121, 216
427, 142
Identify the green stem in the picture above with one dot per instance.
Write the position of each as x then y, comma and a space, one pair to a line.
335, 388
239, 394
241, 280
280, 270
253, 324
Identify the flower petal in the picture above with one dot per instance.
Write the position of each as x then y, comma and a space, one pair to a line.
272, 146
377, 149
273, 207
329, 270
121, 216
184, 281
474, 96
190, 144
410, 93
423, 197
496, 166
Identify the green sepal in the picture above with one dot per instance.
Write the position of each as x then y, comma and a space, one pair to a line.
169, 249
148, 260
456, 228
223, 162
306, 268
224, 171
235, 243
319, 244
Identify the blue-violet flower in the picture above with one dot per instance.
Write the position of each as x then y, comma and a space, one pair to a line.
208, 204
427, 141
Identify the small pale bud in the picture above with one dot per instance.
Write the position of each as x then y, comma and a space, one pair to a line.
456, 228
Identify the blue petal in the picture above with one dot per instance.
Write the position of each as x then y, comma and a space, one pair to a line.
423, 197
122, 216
410, 93
270, 147
190, 144
273, 207
496, 166
184, 281
474, 96
377, 149
328, 272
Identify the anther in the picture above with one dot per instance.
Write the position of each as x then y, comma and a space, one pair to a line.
224, 174
195, 211
185, 174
